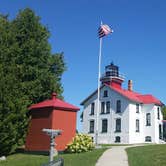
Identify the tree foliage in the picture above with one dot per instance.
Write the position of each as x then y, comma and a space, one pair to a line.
29, 72
164, 112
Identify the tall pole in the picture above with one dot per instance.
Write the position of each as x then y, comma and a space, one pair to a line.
98, 91
103, 31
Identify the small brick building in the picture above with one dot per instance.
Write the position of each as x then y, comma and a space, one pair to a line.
51, 114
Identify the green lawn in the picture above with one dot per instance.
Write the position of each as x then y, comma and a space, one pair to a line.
150, 155
108, 145
81, 159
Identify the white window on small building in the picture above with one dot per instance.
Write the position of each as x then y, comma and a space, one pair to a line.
118, 106
148, 139
91, 126
105, 93
102, 107
158, 113
104, 125
137, 108
137, 125
92, 109
107, 107
148, 119
118, 125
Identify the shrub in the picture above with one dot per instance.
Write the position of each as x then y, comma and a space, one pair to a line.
80, 143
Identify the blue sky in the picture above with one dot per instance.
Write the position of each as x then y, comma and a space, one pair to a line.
137, 46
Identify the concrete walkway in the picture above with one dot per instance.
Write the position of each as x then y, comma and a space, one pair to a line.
116, 156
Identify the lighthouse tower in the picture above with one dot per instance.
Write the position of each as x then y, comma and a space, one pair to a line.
112, 77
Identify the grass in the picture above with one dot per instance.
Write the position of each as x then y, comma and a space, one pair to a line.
150, 155
81, 159
108, 145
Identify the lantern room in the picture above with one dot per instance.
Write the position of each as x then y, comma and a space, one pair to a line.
52, 114
112, 77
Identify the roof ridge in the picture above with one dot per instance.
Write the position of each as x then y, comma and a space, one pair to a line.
131, 95
55, 103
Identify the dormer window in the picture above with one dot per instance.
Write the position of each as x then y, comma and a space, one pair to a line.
105, 93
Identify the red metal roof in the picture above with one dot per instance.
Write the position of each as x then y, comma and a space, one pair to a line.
129, 94
134, 96
54, 103
149, 99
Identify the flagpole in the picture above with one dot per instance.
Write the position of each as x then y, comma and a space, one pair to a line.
98, 90
103, 31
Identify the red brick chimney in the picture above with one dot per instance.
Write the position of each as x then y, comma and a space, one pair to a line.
130, 85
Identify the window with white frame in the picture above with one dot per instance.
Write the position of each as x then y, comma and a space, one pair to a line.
137, 125
117, 139
107, 107
148, 119
105, 93
91, 126
102, 107
92, 109
118, 125
118, 106
148, 139
104, 125
137, 108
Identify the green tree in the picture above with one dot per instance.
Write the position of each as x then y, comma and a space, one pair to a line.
164, 112
164, 117
29, 72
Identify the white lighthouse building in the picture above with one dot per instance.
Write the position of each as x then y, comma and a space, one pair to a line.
125, 116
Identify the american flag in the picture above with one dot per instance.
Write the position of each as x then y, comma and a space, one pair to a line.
104, 30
